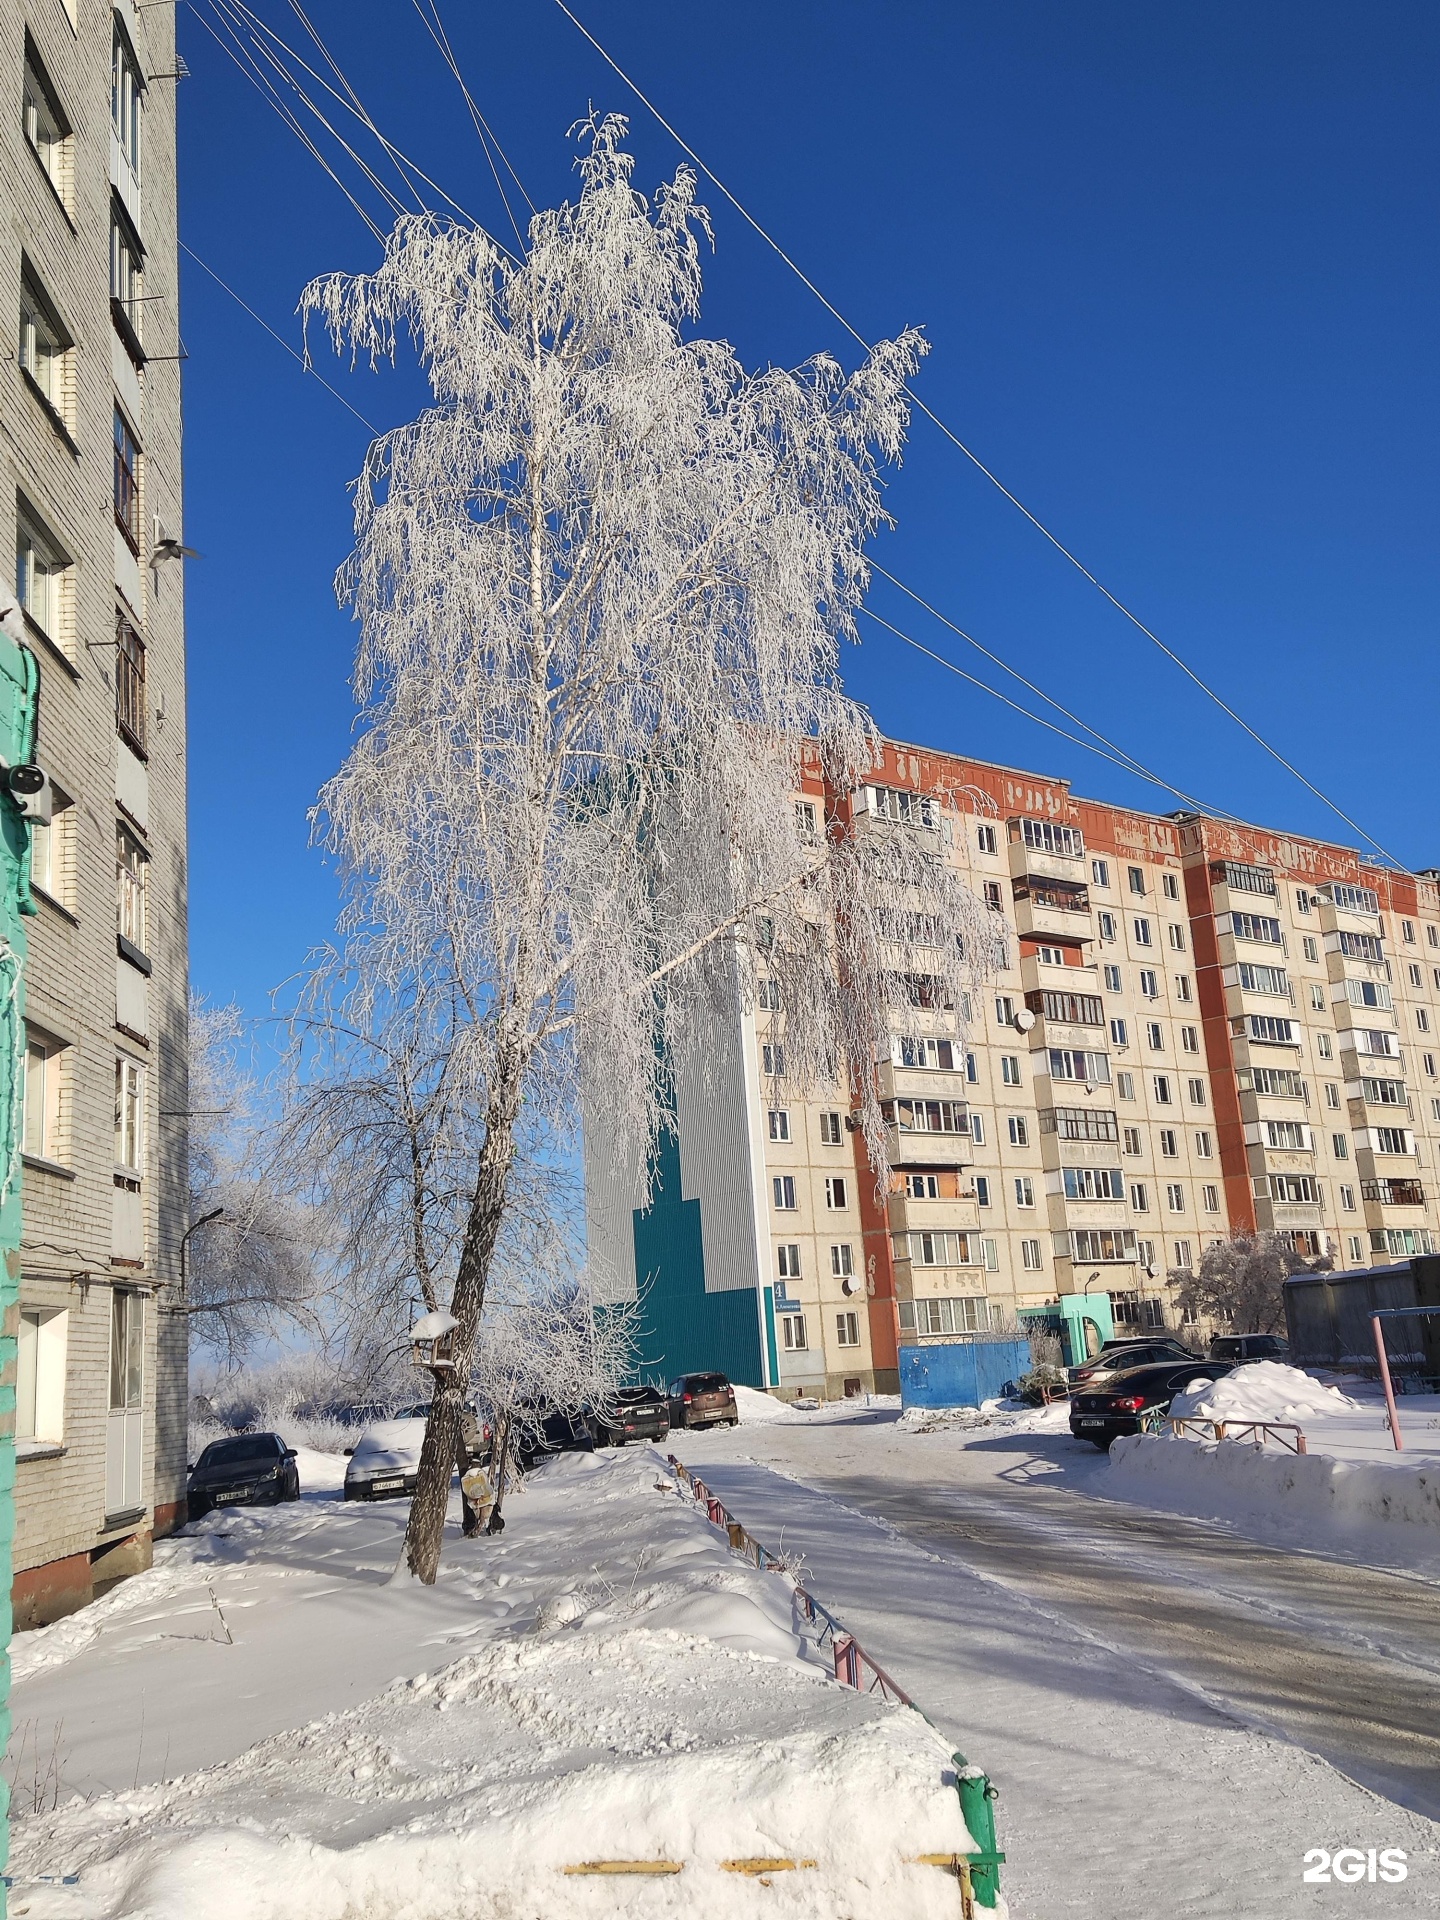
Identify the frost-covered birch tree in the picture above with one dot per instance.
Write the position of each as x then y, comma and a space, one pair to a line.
601, 585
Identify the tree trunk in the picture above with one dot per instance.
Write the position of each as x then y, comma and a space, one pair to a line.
496, 1523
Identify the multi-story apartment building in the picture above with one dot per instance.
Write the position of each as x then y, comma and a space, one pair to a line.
90, 490
1196, 1028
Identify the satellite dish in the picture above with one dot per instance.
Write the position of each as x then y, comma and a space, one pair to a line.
849, 1286
1024, 1020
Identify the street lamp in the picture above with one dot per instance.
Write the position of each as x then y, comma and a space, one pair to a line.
194, 1227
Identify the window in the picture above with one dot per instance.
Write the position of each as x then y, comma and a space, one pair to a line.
985, 841
910, 809
1340, 1146
46, 127
767, 994
1292, 1135
829, 1129
1050, 956
772, 1060
44, 349
40, 1089
1107, 929
1427, 1061
129, 1115
1131, 1140
1071, 1063
127, 481
1417, 975
1078, 1009
792, 1332
1361, 946
1139, 1196
1378, 1042
1182, 986
1270, 1029
842, 1261
1169, 1147
1432, 934
131, 861
977, 1129
1170, 887
41, 578
944, 1316
927, 1116
1142, 931
1332, 1094
1241, 878
1177, 937
972, 1068
1102, 1243
1281, 1082
1317, 997
1136, 877
1010, 1069
1093, 1183
1256, 926
1161, 1084
127, 305
40, 1376
993, 898
1295, 1190
1004, 1009
1019, 1131
1182, 1255
1119, 1033
982, 1190
787, 1261
1189, 1040
1195, 1088
1422, 1020
1030, 1255
48, 841
1149, 983
1392, 1140
1079, 1123
1112, 979
1407, 930
835, 1192
847, 1329
779, 1117
1257, 979
1047, 837
783, 1185
1355, 899
1154, 1036
1210, 1199
1322, 1045
1024, 1190
939, 1249
127, 91
1356, 1246
1100, 873
1382, 1093
130, 686
1125, 1086
1203, 1146
922, 1186
805, 820
1310, 947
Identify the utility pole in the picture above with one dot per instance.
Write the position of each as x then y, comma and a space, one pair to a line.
24, 796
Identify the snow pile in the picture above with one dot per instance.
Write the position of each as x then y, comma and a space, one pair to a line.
1312, 1498
1265, 1390
757, 1409
612, 1684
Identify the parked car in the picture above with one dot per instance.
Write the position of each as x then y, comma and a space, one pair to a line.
252, 1470
1240, 1347
640, 1413
1102, 1414
563, 1430
474, 1431
1132, 1351
385, 1460
702, 1400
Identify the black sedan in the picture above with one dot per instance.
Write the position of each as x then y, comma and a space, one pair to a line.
1120, 1406
639, 1413
252, 1470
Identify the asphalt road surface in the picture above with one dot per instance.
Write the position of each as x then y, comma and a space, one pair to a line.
1341, 1659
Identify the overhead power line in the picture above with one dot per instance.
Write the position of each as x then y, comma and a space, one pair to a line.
435, 27
973, 457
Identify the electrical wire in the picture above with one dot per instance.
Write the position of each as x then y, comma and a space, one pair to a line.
294, 355
974, 458
483, 130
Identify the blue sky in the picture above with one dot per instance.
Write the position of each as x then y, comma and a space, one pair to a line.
1178, 266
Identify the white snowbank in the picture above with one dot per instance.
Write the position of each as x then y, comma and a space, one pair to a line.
1312, 1497
623, 1688
756, 1409
1265, 1390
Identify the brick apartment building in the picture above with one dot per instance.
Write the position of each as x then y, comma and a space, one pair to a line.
90, 489
1199, 1027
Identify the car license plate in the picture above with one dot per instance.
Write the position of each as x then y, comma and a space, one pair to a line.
386, 1486
1091, 1423
240, 1493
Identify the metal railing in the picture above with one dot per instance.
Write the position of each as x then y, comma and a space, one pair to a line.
1257, 1432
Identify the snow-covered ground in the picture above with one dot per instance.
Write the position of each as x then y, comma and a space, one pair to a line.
270, 1724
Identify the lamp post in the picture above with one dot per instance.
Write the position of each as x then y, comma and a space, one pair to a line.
194, 1227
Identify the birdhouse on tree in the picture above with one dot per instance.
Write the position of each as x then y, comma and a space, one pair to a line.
432, 1342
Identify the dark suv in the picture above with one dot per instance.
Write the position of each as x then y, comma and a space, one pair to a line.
702, 1400
639, 1413
1240, 1347
1102, 1414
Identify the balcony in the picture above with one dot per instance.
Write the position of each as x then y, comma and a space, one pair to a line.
1393, 1193
1048, 907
